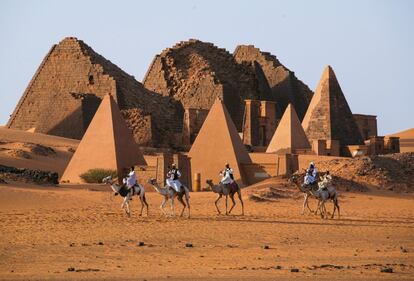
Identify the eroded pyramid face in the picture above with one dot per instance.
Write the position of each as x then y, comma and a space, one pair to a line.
328, 116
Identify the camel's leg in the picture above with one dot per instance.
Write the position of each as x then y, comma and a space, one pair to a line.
172, 206
144, 199
187, 199
232, 200
318, 208
305, 200
141, 199
323, 209
336, 206
164, 202
187, 191
226, 204
307, 204
241, 200
180, 199
218, 198
125, 204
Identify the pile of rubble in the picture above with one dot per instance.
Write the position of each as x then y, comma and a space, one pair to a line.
388, 172
27, 175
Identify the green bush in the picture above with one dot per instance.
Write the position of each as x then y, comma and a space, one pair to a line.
96, 175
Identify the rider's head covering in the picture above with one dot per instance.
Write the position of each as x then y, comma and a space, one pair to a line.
227, 165
311, 164
173, 165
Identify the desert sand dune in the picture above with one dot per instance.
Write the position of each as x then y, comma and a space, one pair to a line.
31, 150
406, 140
58, 233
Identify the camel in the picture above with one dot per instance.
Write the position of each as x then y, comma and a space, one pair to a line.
328, 192
325, 192
127, 194
227, 190
169, 193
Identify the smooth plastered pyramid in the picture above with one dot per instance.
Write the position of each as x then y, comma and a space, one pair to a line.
107, 144
289, 135
218, 143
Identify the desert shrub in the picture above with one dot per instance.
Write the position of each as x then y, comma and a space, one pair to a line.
96, 175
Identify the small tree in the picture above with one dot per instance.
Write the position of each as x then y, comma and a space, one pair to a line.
96, 175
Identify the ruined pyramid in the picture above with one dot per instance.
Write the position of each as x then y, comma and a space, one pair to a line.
284, 86
218, 143
328, 116
289, 135
67, 88
195, 73
107, 144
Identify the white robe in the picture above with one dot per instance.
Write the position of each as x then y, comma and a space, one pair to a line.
131, 180
176, 184
226, 177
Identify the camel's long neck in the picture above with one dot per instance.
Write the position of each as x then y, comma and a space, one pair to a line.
299, 185
213, 187
115, 187
159, 189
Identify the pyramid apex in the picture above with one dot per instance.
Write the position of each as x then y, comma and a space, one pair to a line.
289, 135
328, 72
217, 143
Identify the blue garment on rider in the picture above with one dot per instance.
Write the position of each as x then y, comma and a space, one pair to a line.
311, 175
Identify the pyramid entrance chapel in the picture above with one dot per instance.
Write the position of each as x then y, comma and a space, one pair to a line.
196, 101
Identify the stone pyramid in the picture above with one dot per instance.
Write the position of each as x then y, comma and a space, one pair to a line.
289, 135
328, 116
66, 90
218, 143
107, 144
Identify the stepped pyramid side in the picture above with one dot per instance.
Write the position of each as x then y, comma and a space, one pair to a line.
329, 116
218, 143
66, 90
107, 144
289, 135
195, 73
285, 87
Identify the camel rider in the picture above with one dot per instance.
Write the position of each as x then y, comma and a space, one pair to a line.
173, 176
227, 175
131, 179
311, 174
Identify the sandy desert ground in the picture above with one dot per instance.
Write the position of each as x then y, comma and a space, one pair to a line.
46, 232
27, 150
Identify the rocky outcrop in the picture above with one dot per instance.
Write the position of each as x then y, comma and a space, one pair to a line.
28, 175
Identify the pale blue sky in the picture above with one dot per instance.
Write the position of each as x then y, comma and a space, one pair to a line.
370, 44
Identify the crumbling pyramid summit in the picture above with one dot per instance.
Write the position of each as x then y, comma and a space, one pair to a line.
285, 88
67, 88
195, 73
